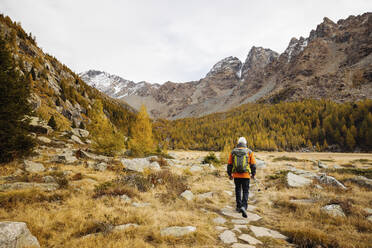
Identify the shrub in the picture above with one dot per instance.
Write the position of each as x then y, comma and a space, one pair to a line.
113, 188
211, 159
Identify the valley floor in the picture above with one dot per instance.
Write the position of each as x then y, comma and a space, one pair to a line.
120, 208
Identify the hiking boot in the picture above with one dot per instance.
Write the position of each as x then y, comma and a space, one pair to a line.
238, 210
244, 213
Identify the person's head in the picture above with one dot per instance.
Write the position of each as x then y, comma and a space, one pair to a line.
242, 142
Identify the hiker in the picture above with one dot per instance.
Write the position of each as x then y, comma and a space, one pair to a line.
241, 167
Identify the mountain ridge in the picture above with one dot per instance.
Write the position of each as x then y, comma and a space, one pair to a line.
334, 61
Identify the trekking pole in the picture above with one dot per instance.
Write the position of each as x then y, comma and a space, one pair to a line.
258, 189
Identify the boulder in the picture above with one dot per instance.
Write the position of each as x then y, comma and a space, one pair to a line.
49, 179
228, 237
219, 220
328, 180
102, 166
65, 158
139, 164
265, 232
334, 209
294, 180
249, 239
177, 231
76, 139
362, 181
188, 195
23, 185
17, 235
44, 139
303, 173
322, 166
80, 132
33, 167
85, 154
39, 126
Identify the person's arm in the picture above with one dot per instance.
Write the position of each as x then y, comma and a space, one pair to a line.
252, 164
229, 165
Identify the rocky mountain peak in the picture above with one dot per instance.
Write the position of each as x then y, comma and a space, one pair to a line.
229, 67
257, 59
295, 46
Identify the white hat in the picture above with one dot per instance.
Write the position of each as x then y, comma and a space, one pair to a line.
242, 140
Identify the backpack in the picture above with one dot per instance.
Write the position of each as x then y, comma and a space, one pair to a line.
240, 160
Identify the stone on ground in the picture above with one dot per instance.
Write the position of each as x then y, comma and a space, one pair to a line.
125, 198
44, 139
322, 166
238, 245
188, 195
220, 228
33, 167
219, 220
334, 209
297, 181
328, 180
196, 168
302, 201
76, 139
17, 235
238, 227
23, 185
240, 221
265, 232
141, 204
231, 213
102, 166
369, 218
207, 195
228, 237
177, 231
249, 239
362, 181
139, 164
124, 227
230, 193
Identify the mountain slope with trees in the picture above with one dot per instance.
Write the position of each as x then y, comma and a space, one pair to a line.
311, 125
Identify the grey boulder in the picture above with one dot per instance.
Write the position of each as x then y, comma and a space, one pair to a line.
17, 235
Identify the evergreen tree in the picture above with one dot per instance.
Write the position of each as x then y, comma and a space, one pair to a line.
14, 92
141, 140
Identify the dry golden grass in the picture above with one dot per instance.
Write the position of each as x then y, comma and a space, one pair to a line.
77, 216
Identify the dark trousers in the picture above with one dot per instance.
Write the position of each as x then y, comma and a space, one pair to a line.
241, 184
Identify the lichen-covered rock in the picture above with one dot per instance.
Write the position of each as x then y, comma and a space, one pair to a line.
139, 164
16, 235
324, 179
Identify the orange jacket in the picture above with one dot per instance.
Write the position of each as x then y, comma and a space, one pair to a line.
251, 162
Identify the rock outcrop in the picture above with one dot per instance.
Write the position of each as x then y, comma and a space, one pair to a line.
16, 235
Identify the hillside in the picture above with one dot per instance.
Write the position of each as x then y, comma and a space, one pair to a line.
333, 62
56, 90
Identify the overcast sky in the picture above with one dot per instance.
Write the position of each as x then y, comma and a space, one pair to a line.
161, 40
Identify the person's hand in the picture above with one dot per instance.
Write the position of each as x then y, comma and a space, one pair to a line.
230, 177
